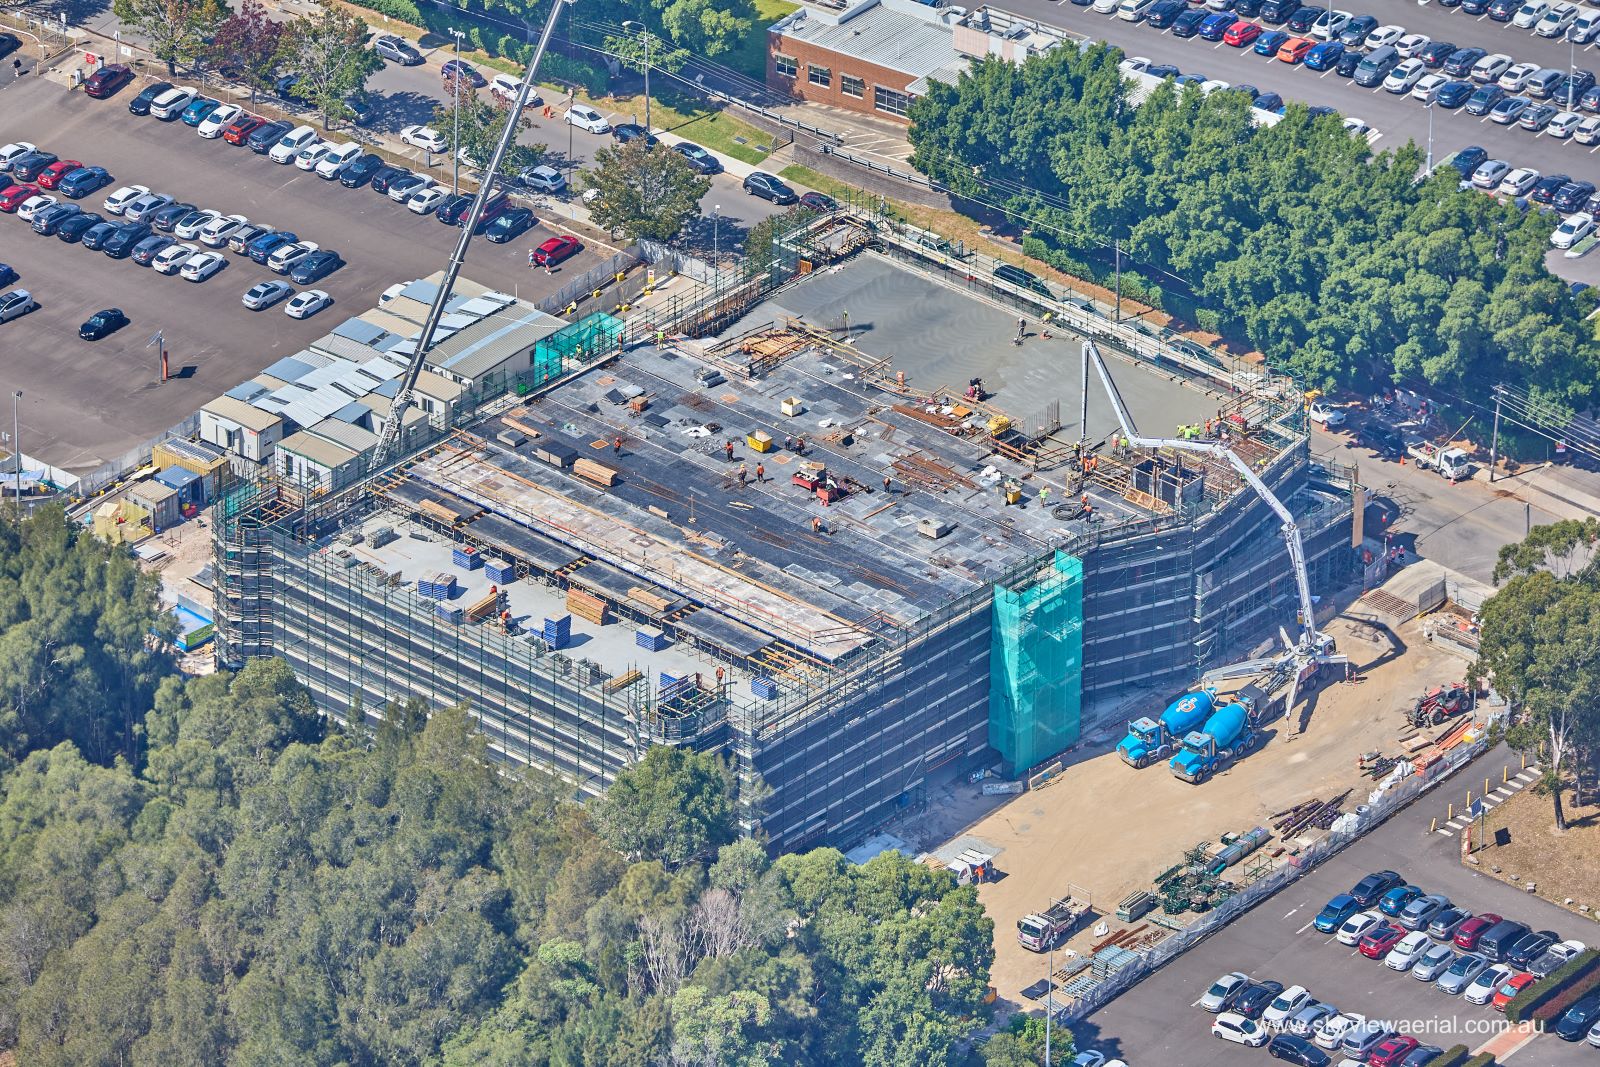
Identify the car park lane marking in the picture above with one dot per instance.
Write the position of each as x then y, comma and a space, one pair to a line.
1306, 927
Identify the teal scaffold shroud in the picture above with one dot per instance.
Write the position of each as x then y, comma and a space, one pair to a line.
593, 335
1036, 664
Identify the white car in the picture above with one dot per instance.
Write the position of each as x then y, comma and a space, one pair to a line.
1516, 76
1355, 926
307, 304
1358, 127
13, 152
1104, 7
587, 118
1481, 991
1411, 44
504, 87
1529, 14
212, 125
1330, 24
1554, 23
1564, 125
1134, 65
425, 200
1519, 182
1326, 414
1428, 86
339, 157
1332, 1029
215, 233
118, 202
264, 294
1405, 75
15, 304
291, 143
1588, 131
1407, 951
1231, 1026
543, 179
35, 204
203, 266
1574, 229
1490, 173
1489, 68
425, 138
1285, 1005
171, 103
173, 257
311, 155
1384, 36
188, 228
283, 260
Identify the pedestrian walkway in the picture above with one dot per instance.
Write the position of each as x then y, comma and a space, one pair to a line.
1513, 785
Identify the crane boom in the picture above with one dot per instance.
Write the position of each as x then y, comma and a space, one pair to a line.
1310, 639
408, 385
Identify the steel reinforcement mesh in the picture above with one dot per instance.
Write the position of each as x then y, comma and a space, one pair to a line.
1036, 664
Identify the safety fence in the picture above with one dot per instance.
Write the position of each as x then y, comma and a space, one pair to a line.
1149, 960
592, 284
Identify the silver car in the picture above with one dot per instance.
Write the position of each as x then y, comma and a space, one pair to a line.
1308, 1019
1223, 991
1432, 963
15, 304
1461, 973
265, 294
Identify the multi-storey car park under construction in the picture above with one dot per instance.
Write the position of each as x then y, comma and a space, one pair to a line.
811, 542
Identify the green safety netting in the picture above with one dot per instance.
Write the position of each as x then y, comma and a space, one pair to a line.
1036, 665
569, 346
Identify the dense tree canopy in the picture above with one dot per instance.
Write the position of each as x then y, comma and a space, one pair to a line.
1342, 267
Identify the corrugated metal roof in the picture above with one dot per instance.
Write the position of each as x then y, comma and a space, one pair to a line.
292, 368
487, 304
382, 370
358, 330
245, 392
891, 39
249, 416
354, 411
318, 450
355, 438
492, 342
389, 389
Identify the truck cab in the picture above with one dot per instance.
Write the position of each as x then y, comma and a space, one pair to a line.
1145, 741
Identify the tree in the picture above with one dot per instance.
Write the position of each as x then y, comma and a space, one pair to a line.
707, 27
644, 192
179, 30
1022, 1042
247, 46
675, 805
329, 53
1563, 548
476, 126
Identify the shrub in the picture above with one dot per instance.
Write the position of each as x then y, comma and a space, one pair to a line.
1526, 1003
1558, 1003
1485, 1060
1453, 1057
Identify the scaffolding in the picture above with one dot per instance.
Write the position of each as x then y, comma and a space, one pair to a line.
1036, 664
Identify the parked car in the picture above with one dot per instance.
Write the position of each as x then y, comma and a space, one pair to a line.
15, 304
1533, 945
95, 237
239, 243
1376, 942
1497, 942
265, 137
586, 118
188, 228
146, 250
426, 199
1367, 891
557, 250
1336, 911
1392, 1051
144, 208
514, 222
1222, 993
1324, 55
263, 295
170, 104
1474, 927
215, 233
140, 105
1481, 989
1570, 197
1407, 951
198, 110
1360, 1042
1545, 189
396, 50
27, 168
13, 152
1231, 1026
360, 172
283, 260
385, 176
14, 196
1579, 1019
1447, 922
172, 258
199, 267
401, 188
337, 159
1508, 111
543, 179
1435, 54
1306, 1021
261, 248
424, 137
292, 143
107, 80
1517, 183
84, 181
769, 187
307, 304
1434, 961
1488, 70
1241, 34
455, 68
1268, 43
1507, 990
1256, 998
1292, 1048
102, 323
1356, 927
1335, 1027
76, 226
239, 130
1284, 1006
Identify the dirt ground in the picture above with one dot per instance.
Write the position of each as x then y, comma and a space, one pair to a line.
1111, 829
1563, 866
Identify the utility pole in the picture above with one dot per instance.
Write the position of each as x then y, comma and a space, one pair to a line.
1494, 440
1117, 247
716, 250
16, 450
1049, 1002
455, 90
643, 32
1429, 106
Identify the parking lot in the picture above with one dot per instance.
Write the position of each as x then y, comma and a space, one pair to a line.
1157, 1021
85, 403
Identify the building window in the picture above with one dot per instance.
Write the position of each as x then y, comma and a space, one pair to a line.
786, 66
850, 85
819, 75
889, 100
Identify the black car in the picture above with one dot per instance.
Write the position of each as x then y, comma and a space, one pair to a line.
1254, 1000
361, 171
386, 176
1579, 1018
102, 323
1452, 94
1468, 160
1385, 440
1248, 9
8, 275
454, 209
509, 225
818, 202
1461, 62
1163, 70
702, 161
140, 105
151, 247
1188, 23
46, 223
1502, 10
1249, 90
262, 138
1483, 99
1274, 12
1474, 7
1269, 102
1569, 198
769, 187
1295, 1049
1367, 891
27, 168
121, 244
315, 267
1301, 21
1434, 53
95, 237
1356, 31
1422, 1055
1164, 12
624, 132
165, 219
1532, 945
1571, 88
1346, 67
1545, 189
74, 228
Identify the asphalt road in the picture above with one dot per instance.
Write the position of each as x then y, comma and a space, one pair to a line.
85, 403
1157, 1023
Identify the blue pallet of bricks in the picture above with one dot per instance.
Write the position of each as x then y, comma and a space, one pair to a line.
437, 587
466, 557
499, 571
650, 638
558, 631
450, 614
764, 687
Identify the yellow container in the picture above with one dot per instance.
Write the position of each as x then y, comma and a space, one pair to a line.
759, 440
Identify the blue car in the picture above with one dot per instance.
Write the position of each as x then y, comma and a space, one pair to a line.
1215, 26
198, 110
1324, 55
1395, 900
1269, 43
1335, 912
1453, 94
84, 181
261, 249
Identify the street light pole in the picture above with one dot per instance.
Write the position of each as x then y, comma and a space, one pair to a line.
1049, 1002
455, 89
1429, 106
16, 450
643, 32
716, 250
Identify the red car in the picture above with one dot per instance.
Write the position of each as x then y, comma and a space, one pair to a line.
557, 249
51, 176
1295, 48
14, 195
1241, 33
107, 80
240, 129
1376, 943
1467, 933
1392, 1051
1509, 989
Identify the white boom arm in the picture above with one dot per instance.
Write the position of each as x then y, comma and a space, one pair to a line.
1291, 532
408, 385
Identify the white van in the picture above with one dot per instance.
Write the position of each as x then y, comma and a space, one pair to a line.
1134, 10
1585, 26
171, 103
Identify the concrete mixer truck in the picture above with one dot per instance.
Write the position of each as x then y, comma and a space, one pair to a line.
1150, 739
1227, 735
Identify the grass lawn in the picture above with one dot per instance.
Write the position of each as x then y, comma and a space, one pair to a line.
750, 58
1562, 865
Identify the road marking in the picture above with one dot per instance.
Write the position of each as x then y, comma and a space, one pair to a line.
1506, 789
1528, 776
1446, 832
1306, 927
1291, 912
1492, 801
